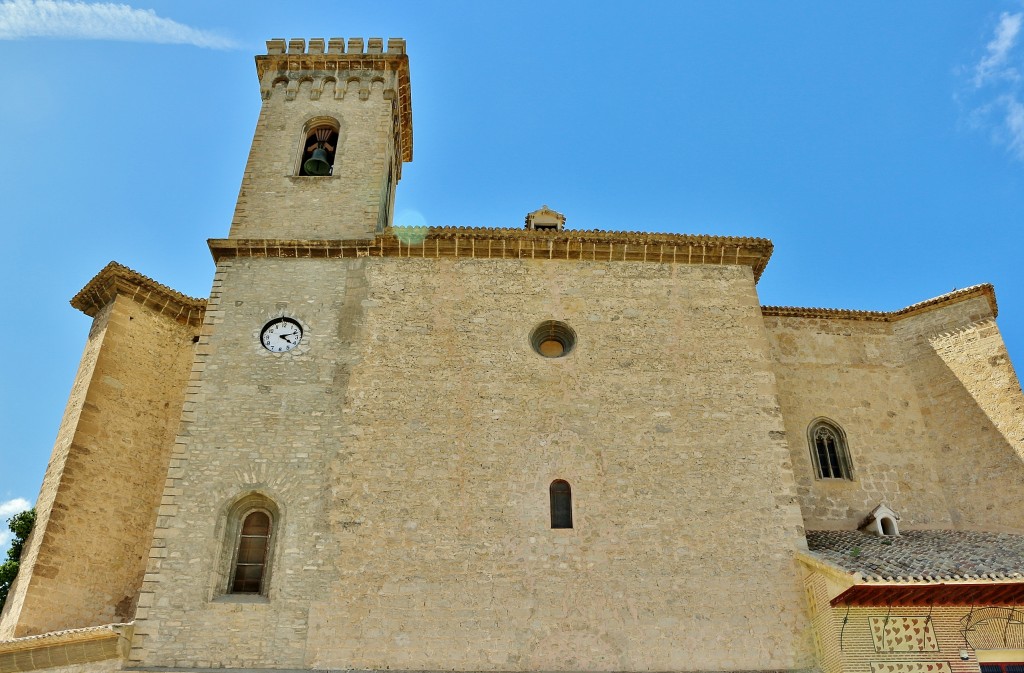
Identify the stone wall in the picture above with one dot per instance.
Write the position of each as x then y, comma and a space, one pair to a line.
409, 444
51, 479
972, 403
930, 407
86, 557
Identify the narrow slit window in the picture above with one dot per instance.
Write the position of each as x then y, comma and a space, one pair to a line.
251, 558
561, 504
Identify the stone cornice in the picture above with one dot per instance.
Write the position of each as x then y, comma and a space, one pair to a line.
295, 62
115, 279
487, 243
984, 290
64, 648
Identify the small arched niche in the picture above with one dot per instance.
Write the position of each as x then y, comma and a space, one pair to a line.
319, 150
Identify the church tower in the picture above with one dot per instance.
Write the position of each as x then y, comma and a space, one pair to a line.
461, 448
509, 449
334, 129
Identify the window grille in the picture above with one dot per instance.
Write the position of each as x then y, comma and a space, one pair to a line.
251, 557
1017, 667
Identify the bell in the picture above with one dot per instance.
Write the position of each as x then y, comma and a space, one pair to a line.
317, 164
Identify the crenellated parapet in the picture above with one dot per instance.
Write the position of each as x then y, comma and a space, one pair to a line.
341, 68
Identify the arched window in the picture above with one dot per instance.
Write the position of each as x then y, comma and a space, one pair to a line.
251, 553
888, 526
252, 524
318, 149
561, 504
828, 450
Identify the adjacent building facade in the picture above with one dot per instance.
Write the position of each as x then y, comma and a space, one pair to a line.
511, 449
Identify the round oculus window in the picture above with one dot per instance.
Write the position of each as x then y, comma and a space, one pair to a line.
553, 339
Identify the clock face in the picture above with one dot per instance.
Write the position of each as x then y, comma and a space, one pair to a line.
281, 335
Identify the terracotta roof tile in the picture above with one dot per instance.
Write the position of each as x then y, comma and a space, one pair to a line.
983, 290
923, 555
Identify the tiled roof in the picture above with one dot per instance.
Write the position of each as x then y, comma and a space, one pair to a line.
56, 635
922, 555
115, 279
984, 290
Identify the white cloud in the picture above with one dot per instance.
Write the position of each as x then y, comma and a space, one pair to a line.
9, 508
994, 65
993, 89
99, 21
1014, 122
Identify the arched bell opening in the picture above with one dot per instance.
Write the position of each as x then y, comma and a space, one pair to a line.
318, 151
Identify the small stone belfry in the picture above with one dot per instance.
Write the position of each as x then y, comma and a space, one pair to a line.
353, 98
545, 219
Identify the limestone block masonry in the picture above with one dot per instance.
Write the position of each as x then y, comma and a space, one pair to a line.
410, 446
929, 401
84, 561
399, 456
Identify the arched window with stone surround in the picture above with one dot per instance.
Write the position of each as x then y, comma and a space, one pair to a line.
829, 452
561, 504
252, 527
252, 553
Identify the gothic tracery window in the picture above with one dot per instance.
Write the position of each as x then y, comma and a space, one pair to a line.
828, 451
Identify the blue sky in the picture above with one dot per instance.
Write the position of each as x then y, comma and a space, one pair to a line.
880, 145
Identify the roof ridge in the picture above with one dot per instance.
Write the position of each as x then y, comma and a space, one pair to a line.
986, 290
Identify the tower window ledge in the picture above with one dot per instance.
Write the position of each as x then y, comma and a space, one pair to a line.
241, 598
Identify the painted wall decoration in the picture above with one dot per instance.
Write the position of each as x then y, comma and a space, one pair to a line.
903, 634
910, 667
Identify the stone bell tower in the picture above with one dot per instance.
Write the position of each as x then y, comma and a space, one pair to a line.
334, 129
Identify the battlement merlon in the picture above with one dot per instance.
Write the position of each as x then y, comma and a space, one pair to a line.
292, 62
